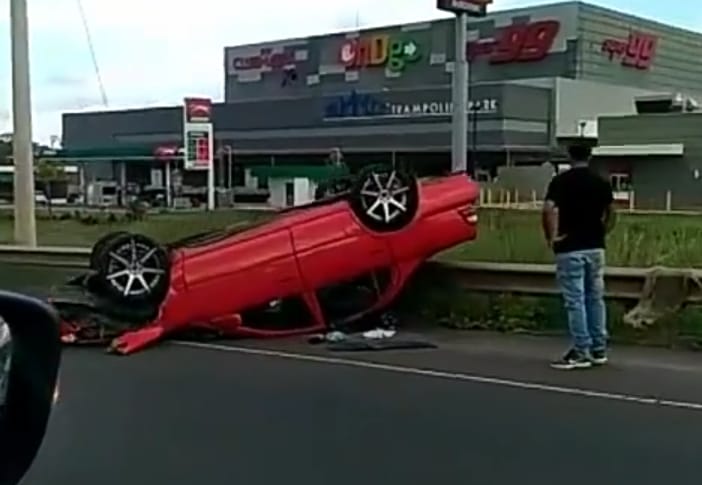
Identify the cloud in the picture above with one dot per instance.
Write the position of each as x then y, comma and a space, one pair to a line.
64, 80
156, 52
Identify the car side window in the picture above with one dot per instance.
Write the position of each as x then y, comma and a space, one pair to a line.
348, 298
284, 314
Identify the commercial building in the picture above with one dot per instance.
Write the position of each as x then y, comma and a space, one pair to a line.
654, 159
536, 74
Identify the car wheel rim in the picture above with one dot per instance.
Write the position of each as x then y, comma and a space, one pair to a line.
134, 269
384, 197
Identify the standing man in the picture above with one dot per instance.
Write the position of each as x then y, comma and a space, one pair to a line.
339, 181
336, 158
576, 217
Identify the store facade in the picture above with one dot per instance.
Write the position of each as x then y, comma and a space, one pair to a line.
571, 40
536, 74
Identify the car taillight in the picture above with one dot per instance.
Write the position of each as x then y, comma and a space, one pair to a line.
469, 214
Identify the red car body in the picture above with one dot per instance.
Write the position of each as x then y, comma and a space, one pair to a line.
298, 253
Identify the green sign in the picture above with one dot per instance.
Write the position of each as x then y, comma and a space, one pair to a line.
380, 50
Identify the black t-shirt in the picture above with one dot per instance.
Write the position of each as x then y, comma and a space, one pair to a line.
581, 196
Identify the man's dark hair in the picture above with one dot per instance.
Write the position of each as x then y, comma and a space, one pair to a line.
579, 153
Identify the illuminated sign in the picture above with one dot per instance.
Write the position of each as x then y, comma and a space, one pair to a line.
357, 105
166, 152
197, 149
197, 133
517, 43
198, 110
379, 50
637, 51
266, 59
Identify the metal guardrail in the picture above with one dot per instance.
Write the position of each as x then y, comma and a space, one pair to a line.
540, 279
59, 257
537, 206
532, 279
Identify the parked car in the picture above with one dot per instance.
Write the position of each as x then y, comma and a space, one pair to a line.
282, 277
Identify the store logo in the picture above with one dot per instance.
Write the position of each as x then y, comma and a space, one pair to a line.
517, 43
167, 152
637, 51
357, 105
379, 50
198, 109
266, 59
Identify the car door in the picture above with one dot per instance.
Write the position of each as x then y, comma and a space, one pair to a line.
241, 272
335, 247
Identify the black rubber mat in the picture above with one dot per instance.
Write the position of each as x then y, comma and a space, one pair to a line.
360, 344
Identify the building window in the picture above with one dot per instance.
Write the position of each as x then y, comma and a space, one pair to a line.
621, 185
482, 175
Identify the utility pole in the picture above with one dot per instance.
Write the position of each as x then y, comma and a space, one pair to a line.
459, 126
23, 150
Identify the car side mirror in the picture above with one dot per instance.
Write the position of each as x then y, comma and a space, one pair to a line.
30, 352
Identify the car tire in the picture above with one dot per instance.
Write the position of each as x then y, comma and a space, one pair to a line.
134, 269
96, 253
385, 198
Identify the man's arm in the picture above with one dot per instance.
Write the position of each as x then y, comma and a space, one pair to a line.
549, 213
549, 220
609, 218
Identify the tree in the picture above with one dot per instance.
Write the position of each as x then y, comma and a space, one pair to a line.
47, 173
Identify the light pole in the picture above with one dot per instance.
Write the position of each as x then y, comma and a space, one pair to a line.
459, 126
23, 156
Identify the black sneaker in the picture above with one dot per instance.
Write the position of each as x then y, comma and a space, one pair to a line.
598, 357
572, 360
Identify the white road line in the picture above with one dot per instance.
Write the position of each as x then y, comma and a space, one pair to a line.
456, 376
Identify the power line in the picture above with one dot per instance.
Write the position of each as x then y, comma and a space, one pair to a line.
89, 38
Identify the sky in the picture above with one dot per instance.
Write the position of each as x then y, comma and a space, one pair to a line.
155, 52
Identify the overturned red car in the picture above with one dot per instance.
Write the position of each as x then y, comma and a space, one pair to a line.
310, 268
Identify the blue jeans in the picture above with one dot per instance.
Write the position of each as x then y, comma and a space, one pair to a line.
580, 276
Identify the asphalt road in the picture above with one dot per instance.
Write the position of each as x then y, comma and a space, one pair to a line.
480, 410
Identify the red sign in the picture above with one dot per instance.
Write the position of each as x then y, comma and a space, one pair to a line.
166, 152
197, 149
202, 150
637, 51
198, 110
517, 43
266, 59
